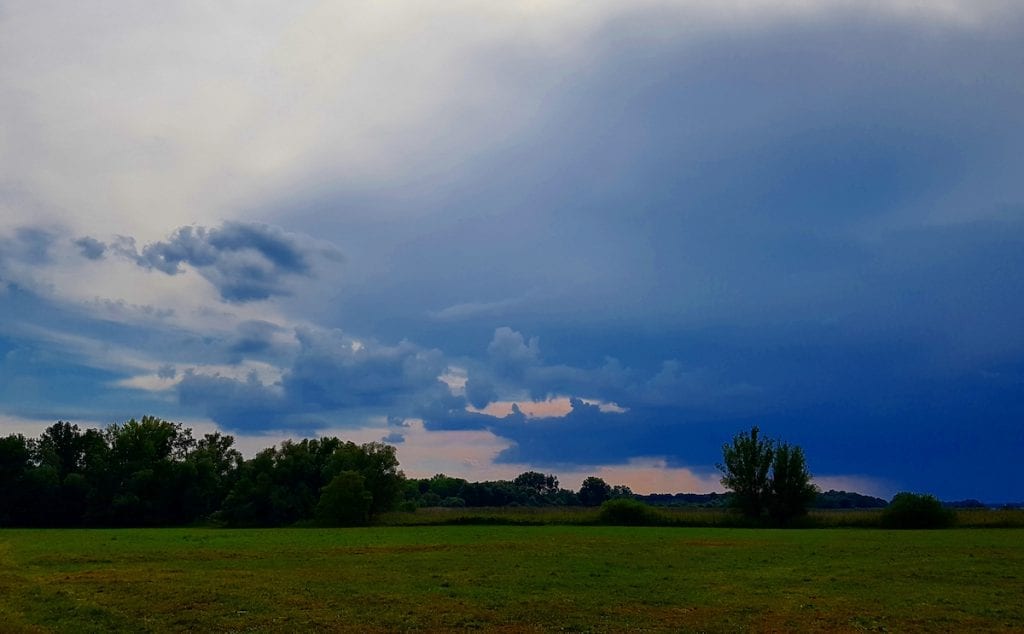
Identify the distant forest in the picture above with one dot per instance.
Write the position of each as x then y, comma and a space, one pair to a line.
152, 472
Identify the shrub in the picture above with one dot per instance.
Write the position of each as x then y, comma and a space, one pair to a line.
628, 512
913, 510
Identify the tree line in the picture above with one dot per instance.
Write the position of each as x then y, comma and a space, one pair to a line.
151, 472
530, 488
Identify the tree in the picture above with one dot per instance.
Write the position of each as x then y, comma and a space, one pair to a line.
446, 487
621, 491
344, 501
745, 467
767, 475
594, 491
378, 464
540, 483
15, 456
153, 482
61, 447
216, 463
791, 491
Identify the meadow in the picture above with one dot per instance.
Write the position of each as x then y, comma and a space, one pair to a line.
511, 579
691, 517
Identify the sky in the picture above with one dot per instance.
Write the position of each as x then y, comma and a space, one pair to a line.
592, 238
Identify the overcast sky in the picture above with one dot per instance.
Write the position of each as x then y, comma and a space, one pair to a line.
577, 237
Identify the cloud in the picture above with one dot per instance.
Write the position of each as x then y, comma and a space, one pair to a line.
332, 371
480, 391
511, 353
259, 338
244, 261
467, 310
239, 404
552, 407
28, 245
327, 377
91, 248
804, 215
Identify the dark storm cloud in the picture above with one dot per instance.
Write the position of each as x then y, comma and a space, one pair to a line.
812, 223
202, 247
924, 437
239, 404
333, 371
510, 352
480, 391
91, 248
702, 181
328, 374
514, 365
254, 338
244, 261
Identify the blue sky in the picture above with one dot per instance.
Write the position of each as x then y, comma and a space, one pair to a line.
583, 239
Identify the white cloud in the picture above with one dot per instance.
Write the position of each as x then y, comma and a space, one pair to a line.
551, 407
141, 119
28, 427
158, 380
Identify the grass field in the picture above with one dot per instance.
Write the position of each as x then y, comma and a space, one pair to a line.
514, 579
669, 516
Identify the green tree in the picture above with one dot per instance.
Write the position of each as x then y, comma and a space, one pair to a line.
284, 485
15, 456
253, 499
216, 462
153, 481
61, 446
746, 463
791, 491
378, 464
594, 491
344, 501
66, 450
541, 484
766, 476
445, 486
621, 491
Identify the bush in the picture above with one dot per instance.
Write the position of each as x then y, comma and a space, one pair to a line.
913, 510
628, 512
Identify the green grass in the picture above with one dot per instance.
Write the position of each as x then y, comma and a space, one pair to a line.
668, 516
511, 578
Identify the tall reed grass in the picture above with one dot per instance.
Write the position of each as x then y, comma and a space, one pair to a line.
671, 516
